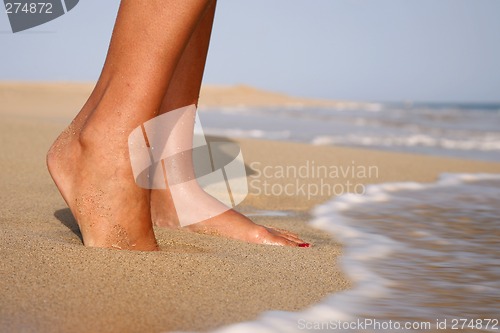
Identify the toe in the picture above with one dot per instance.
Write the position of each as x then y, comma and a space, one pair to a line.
286, 234
278, 240
274, 238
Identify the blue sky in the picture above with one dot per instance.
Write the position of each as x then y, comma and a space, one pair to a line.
370, 50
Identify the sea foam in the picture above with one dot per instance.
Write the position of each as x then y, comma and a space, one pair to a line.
416, 252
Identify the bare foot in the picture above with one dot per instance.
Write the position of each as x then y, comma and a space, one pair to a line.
229, 224
232, 224
95, 180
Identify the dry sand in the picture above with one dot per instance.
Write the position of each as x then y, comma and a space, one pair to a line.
72, 96
49, 282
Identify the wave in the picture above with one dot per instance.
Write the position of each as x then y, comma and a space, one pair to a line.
485, 143
381, 295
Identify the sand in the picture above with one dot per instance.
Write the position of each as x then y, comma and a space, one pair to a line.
50, 282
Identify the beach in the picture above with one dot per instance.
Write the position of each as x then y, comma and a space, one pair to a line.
52, 283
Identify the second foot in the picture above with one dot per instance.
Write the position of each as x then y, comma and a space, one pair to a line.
229, 224
232, 224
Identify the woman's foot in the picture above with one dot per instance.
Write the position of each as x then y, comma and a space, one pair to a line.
232, 224
95, 179
229, 224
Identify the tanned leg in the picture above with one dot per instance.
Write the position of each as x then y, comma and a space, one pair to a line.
89, 161
184, 90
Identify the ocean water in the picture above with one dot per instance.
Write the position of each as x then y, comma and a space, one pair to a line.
464, 130
423, 257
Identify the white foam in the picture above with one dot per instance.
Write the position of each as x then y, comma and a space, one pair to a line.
491, 143
360, 249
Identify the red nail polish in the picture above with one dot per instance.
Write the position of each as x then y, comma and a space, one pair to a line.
304, 245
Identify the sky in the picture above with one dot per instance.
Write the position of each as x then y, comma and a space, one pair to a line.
365, 50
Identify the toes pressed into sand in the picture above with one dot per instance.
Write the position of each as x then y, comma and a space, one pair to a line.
232, 224
229, 224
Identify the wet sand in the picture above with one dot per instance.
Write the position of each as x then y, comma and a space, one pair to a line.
51, 283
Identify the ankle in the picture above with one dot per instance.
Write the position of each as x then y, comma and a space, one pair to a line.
89, 137
100, 134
